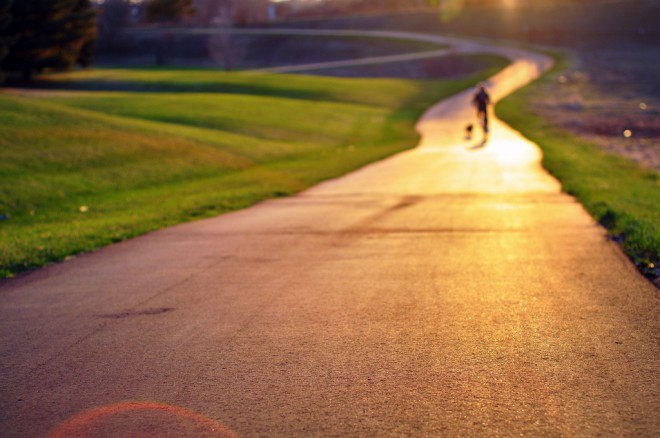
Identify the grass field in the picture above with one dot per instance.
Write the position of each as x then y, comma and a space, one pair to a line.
620, 194
81, 168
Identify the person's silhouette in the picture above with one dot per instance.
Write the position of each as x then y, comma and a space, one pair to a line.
481, 101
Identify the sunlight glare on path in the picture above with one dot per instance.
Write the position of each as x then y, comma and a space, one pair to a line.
139, 419
509, 3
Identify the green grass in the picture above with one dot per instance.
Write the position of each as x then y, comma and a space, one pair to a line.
621, 195
168, 146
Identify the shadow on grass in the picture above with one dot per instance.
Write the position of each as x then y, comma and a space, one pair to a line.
166, 87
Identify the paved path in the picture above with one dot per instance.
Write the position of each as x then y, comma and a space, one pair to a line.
372, 60
451, 290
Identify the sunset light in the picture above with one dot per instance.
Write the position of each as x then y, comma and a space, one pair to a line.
329, 218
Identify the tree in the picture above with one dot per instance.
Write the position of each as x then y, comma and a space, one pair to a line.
81, 34
53, 34
6, 40
169, 10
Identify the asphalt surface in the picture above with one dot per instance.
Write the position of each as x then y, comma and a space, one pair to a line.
451, 290
352, 62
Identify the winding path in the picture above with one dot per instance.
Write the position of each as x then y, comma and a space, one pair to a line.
451, 290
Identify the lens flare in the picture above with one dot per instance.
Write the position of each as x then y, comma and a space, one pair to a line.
140, 419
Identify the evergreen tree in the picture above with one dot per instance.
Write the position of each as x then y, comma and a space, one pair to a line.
6, 39
82, 31
50, 34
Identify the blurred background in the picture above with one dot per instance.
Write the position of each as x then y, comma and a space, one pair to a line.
610, 93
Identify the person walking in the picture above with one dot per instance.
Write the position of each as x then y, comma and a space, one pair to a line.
481, 101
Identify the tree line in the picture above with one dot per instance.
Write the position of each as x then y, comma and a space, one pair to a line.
41, 35
36, 35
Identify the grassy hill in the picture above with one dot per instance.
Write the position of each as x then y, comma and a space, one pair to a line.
112, 154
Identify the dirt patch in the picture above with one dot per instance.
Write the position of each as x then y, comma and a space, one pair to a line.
611, 98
